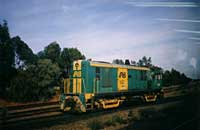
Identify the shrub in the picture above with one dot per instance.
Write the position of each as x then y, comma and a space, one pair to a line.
95, 125
118, 119
110, 122
114, 120
34, 83
134, 115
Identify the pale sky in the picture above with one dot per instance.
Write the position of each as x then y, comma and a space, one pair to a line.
169, 32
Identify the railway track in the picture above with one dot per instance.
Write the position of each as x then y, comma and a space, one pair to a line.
49, 114
31, 115
15, 114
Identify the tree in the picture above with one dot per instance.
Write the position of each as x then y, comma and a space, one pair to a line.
140, 63
118, 61
45, 72
46, 75
41, 55
7, 58
52, 51
23, 54
34, 83
127, 62
25, 76
133, 62
144, 62
68, 55
4, 32
149, 62
167, 79
174, 77
22, 88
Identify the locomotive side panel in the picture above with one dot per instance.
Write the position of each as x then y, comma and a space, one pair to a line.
137, 79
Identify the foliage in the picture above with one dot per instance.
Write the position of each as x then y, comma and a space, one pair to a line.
114, 120
34, 83
174, 77
7, 70
118, 61
95, 125
127, 62
52, 51
22, 88
4, 32
23, 54
45, 72
109, 123
133, 63
14, 54
134, 116
118, 119
143, 62
25, 76
68, 55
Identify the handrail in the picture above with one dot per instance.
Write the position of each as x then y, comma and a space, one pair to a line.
96, 85
84, 85
97, 81
83, 80
94, 88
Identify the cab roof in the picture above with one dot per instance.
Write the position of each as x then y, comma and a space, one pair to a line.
112, 65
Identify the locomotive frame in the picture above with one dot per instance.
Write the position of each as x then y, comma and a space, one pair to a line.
93, 85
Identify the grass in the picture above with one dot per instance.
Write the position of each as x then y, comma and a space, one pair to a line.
95, 125
134, 115
115, 120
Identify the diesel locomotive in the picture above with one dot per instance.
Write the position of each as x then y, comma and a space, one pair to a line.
93, 85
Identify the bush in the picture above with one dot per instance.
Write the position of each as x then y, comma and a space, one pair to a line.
110, 122
118, 119
134, 115
31, 85
114, 120
95, 125
34, 83
21, 88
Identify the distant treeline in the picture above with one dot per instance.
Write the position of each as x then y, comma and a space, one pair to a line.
172, 77
25, 76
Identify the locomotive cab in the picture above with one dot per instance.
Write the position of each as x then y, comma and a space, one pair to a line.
72, 97
154, 83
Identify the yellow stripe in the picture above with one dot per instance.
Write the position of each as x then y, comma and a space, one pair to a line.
117, 66
88, 96
77, 82
66, 85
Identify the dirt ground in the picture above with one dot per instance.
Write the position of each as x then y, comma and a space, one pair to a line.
181, 116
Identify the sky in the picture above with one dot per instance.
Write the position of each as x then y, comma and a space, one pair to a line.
168, 31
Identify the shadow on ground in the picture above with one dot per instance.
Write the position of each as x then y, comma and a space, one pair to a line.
183, 117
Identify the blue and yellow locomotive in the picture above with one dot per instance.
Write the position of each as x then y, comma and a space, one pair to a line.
101, 85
